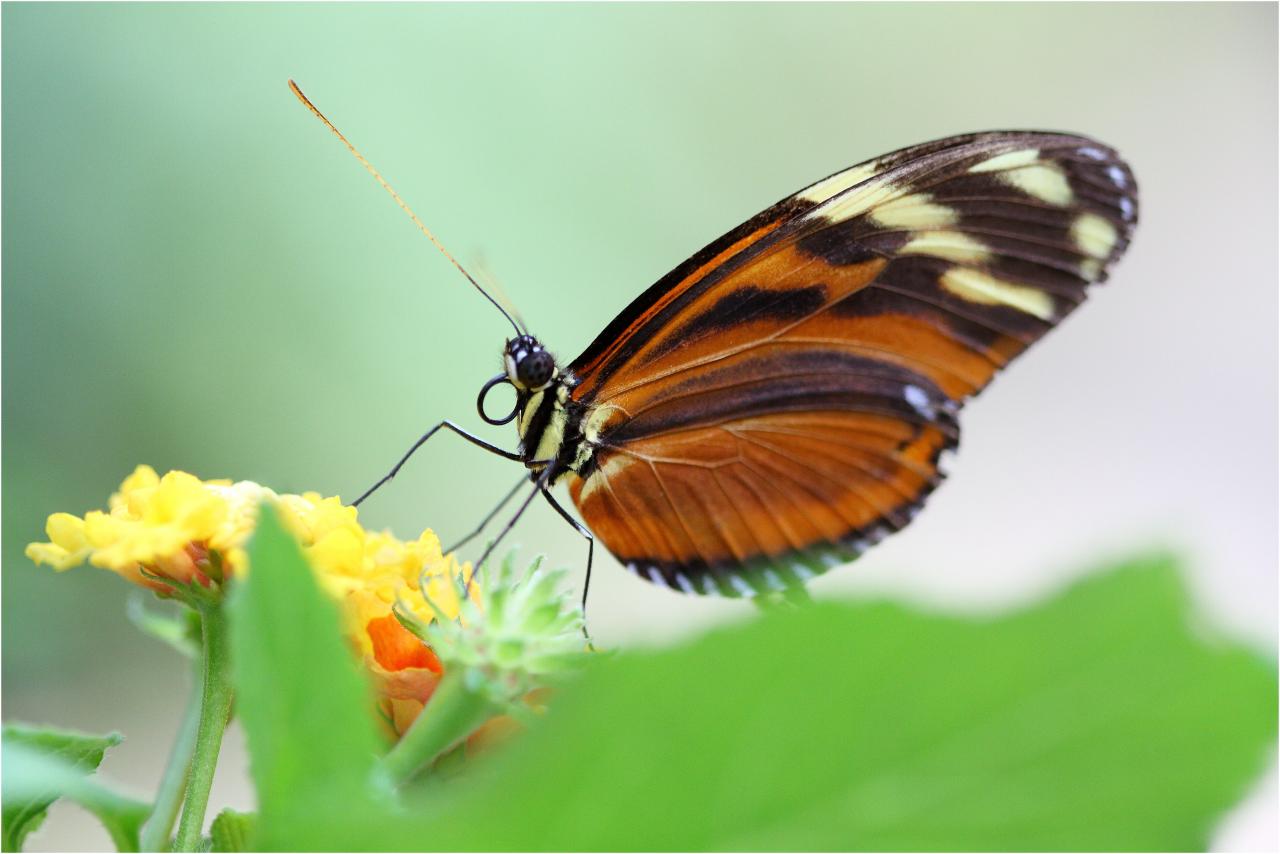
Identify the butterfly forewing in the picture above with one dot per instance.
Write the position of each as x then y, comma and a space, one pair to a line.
783, 397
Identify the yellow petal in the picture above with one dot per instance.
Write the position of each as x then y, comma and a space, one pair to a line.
55, 556
339, 551
66, 531
102, 529
143, 477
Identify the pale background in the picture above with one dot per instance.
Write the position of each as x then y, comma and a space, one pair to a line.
197, 276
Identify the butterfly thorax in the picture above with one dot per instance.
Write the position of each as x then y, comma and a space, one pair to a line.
550, 427
549, 422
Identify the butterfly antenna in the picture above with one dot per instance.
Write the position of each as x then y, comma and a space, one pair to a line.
485, 274
401, 202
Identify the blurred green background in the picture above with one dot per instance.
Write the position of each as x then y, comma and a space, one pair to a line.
197, 276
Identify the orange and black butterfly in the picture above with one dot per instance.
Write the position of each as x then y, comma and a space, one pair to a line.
783, 399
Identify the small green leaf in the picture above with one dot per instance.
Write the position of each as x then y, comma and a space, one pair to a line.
231, 831
42, 765
1105, 719
180, 631
80, 750
307, 711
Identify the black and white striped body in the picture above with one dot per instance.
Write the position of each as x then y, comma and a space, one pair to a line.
550, 426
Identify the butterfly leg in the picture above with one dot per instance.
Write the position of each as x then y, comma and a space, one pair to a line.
443, 425
591, 547
539, 485
487, 519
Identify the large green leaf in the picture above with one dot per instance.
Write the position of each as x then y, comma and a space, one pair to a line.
305, 708
1105, 719
44, 764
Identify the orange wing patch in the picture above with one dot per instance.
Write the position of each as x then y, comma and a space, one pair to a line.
716, 259
761, 502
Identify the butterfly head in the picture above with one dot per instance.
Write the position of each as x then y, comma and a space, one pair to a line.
530, 368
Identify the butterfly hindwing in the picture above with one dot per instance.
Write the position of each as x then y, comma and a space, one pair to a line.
783, 397
769, 486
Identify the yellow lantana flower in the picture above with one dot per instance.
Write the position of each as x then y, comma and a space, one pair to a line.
176, 530
370, 578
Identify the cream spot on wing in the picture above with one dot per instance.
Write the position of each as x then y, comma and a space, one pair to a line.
919, 400
947, 244
1042, 181
856, 202
1090, 269
598, 478
1094, 235
1008, 160
914, 212
981, 288
595, 421
829, 188
831, 560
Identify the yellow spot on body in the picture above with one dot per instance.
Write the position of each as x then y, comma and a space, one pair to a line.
552, 437
1008, 160
1042, 181
914, 212
829, 188
976, 286
526, 417
947, 244
1094, 235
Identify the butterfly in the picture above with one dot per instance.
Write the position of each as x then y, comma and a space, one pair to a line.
784, 399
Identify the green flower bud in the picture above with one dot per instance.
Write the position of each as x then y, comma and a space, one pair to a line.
522, 633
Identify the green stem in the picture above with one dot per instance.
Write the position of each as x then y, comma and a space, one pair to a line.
215, 710
453, 712
155, 834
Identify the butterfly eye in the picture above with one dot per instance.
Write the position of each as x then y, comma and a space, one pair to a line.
536, 369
